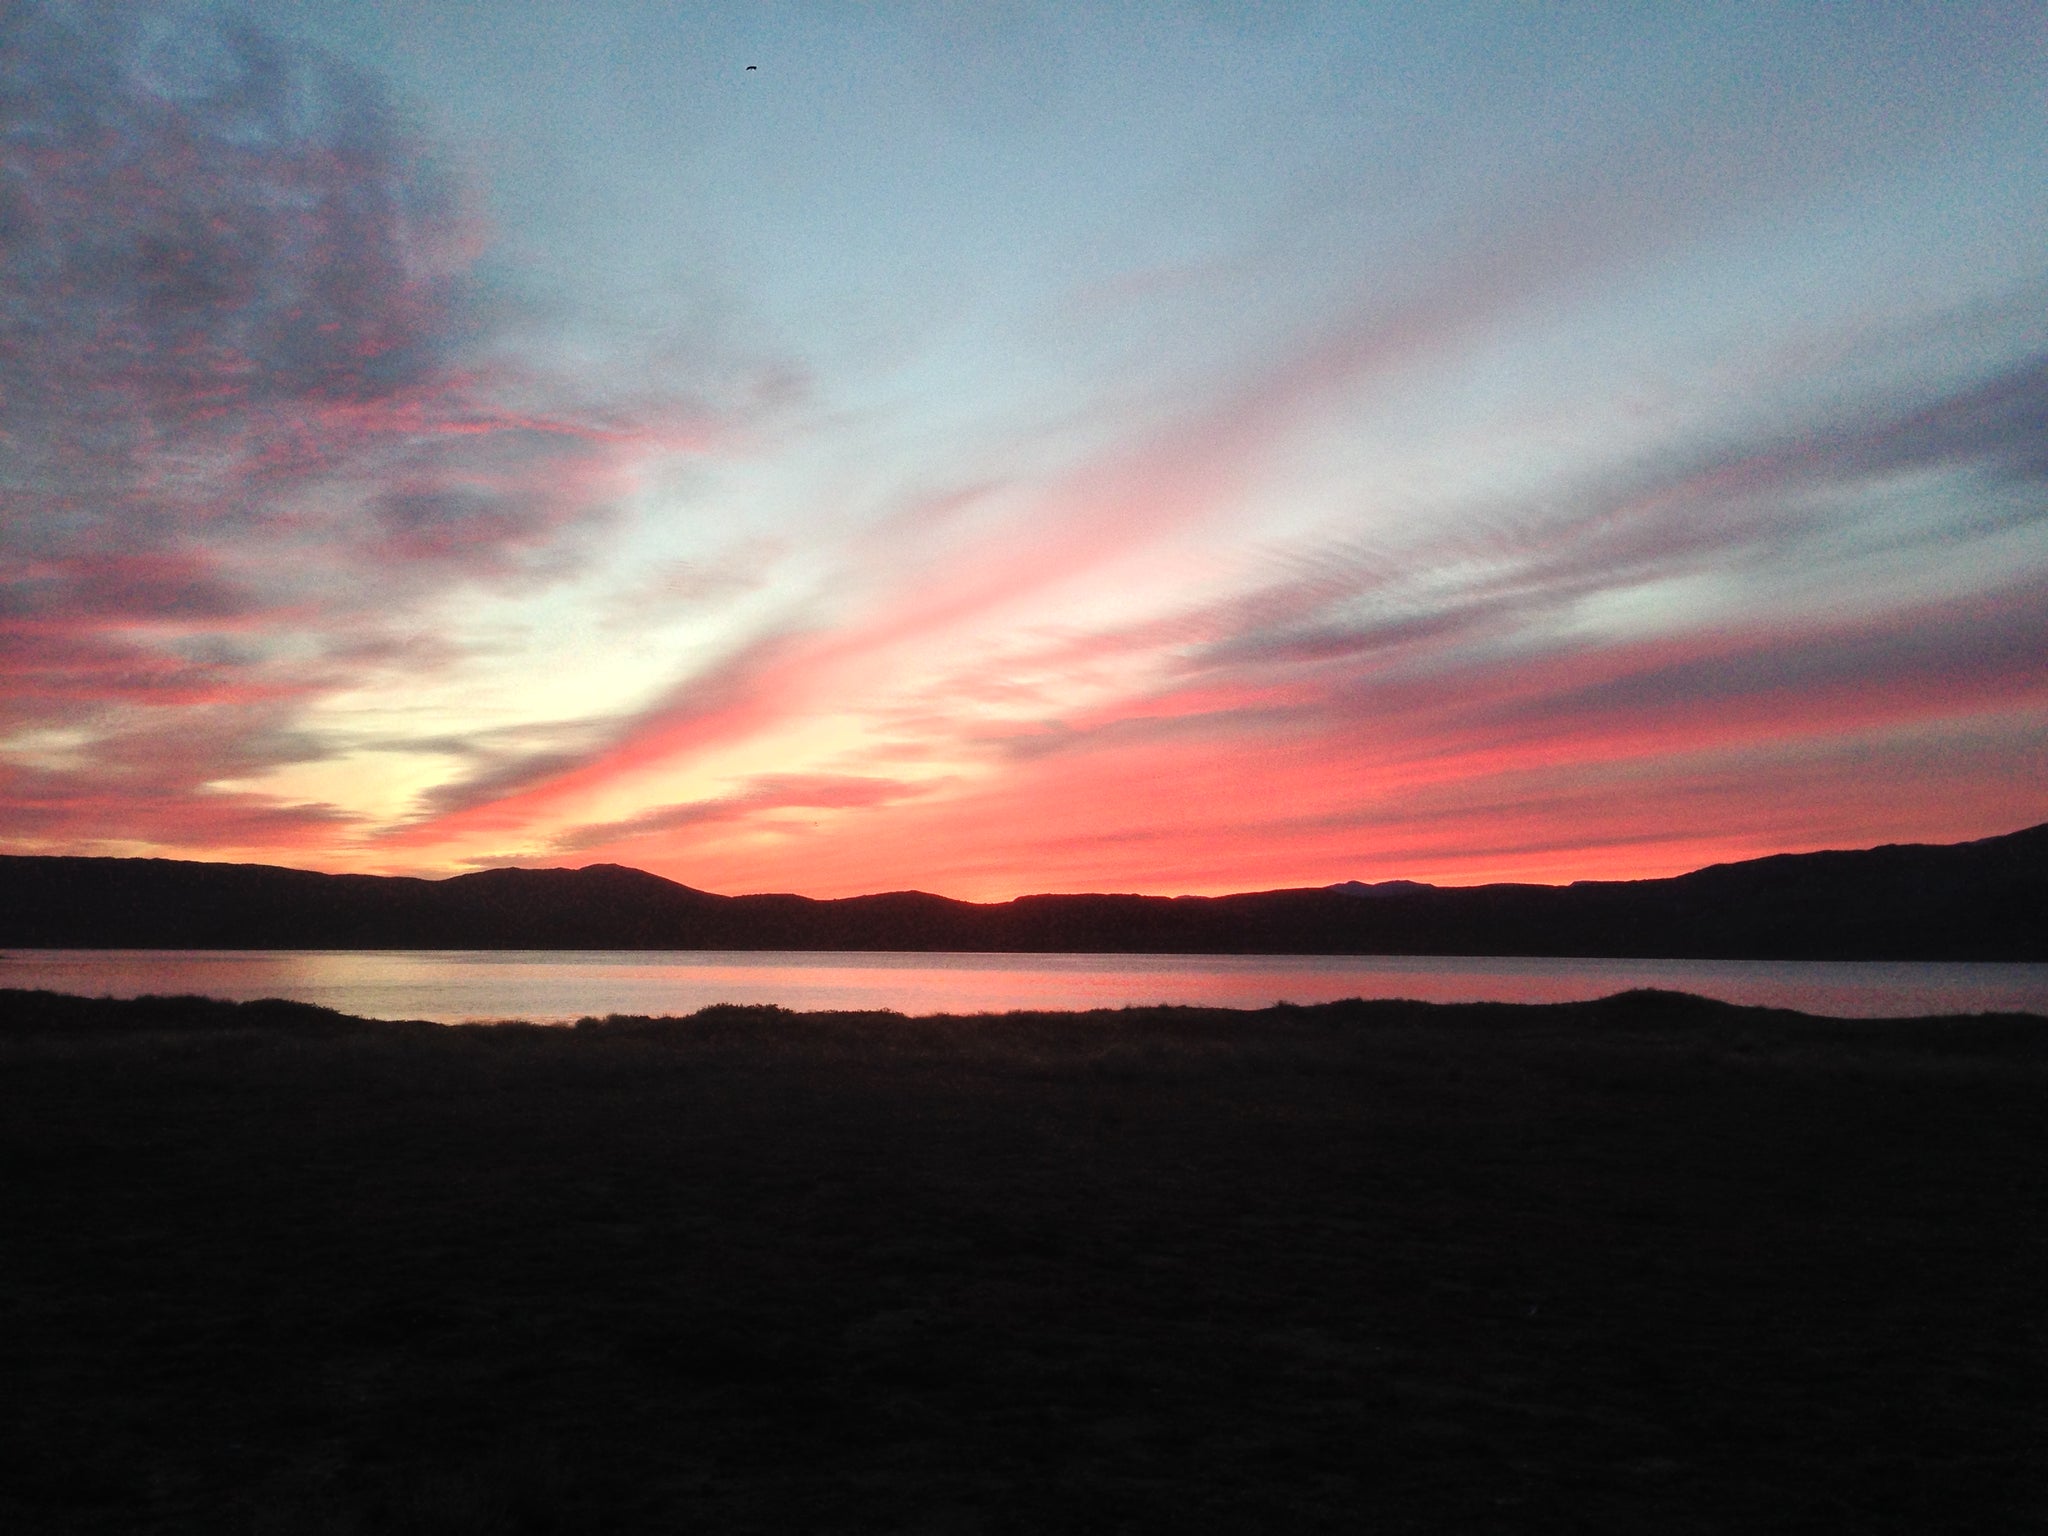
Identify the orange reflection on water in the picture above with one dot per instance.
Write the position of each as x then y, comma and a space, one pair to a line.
450, 986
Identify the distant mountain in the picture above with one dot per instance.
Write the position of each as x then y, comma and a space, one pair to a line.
1984, 900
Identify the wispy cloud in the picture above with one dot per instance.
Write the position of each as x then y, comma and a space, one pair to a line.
297, 496
1466, 653
763, 794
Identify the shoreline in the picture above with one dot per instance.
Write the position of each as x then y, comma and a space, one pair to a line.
32, 1008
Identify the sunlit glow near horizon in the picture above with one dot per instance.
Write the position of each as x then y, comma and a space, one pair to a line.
1025, 447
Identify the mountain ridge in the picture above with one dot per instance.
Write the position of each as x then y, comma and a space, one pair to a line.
1985, 899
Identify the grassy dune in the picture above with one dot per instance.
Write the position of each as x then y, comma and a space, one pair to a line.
1650, 1264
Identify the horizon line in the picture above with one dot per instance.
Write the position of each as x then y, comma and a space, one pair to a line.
1022, 896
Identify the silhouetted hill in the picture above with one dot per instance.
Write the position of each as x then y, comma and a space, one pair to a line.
1984, 900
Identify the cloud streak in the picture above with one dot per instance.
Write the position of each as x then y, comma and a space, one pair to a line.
1468, 651
320, 546
758, 800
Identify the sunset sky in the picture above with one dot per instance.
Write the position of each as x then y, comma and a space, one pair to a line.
998, 448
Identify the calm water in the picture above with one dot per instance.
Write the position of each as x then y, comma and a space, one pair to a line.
554, 985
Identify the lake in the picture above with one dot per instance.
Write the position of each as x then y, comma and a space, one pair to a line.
559, 985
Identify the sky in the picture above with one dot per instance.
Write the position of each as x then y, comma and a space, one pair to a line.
994, 448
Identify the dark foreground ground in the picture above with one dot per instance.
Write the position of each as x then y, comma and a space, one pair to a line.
1648, 1265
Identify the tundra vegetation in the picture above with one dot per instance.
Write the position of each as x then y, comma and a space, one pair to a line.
1651, 1263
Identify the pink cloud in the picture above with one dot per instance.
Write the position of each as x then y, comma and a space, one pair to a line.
245, 409
253, 419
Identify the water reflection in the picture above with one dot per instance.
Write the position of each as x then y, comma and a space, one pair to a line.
557, 985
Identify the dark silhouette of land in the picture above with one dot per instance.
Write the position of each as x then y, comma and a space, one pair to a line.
1983, 900
1647, 1264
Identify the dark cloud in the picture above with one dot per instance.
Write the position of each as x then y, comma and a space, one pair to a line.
204, 227
228, 269
140, 586
1944, 657
247, 419
1749, 504
2000, 423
